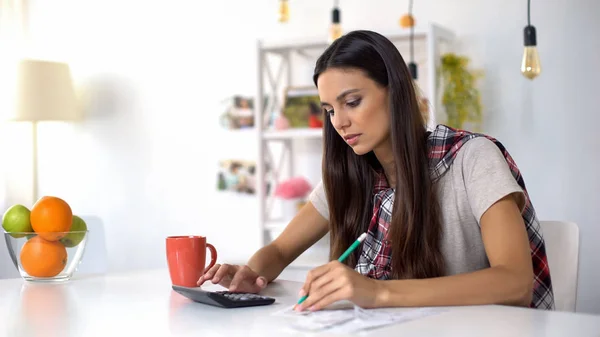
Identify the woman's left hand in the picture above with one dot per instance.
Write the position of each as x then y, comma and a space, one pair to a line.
335, 282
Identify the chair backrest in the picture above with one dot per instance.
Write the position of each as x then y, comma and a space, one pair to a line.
562, 249
95, 256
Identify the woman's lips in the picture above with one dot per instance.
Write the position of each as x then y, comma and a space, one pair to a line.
352, 139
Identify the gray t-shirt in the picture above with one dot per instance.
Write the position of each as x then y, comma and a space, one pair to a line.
478, 177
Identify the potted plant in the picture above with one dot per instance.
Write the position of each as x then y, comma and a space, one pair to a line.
461, 97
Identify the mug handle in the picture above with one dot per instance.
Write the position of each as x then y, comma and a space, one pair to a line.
213, 256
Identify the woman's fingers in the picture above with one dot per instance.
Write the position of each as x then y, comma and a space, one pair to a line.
336, 295
208, 274
322, 293
262, 282
321, 281
223, 275
312, 276
236, 278
245, 280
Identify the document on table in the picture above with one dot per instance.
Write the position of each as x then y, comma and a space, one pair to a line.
351, 320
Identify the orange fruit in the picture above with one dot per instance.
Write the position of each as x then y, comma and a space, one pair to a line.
51, 218
41, 258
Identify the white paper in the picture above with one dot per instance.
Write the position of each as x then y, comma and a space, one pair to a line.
290, 312
321, 320
352, 320
375, 318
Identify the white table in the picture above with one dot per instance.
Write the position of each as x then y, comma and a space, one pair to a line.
143, 304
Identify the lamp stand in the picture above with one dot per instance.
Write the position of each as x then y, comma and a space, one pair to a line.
34, 127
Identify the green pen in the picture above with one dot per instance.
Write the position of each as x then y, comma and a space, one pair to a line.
344, 256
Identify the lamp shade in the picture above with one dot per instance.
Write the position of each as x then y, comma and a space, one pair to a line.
44, 92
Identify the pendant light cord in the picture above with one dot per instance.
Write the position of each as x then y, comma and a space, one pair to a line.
529, 12
412, 32
336, 3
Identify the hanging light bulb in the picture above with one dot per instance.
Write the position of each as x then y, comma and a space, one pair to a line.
412, 68
335, 31
284, 11
530, 64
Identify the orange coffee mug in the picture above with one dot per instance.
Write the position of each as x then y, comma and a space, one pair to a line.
186, 258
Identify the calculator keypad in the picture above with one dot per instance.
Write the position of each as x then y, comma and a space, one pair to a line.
240, 296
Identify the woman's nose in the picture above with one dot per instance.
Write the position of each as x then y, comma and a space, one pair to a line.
340, 120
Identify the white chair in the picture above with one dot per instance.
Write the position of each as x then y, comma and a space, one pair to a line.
562, 249
95, 256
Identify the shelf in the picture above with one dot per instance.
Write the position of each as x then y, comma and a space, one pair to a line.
242, 132
299, 133
395, 35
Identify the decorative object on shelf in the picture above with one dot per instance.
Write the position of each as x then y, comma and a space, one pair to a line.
461, 98
293, 193
335, 31
284, 11
302, 107
293, 188
281, 123
237, 175
315, 120
530, 64
239, 114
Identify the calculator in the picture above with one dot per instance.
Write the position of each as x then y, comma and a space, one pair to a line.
223, 299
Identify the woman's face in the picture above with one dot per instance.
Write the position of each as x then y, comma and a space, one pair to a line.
357, 106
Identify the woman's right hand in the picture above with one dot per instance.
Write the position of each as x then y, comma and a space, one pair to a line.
234, 278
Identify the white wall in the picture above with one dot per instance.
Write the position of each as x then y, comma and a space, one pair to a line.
145, 162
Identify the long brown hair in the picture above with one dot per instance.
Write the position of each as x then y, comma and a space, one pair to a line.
348, 179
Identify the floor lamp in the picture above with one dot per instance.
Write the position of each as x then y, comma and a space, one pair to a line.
44, 92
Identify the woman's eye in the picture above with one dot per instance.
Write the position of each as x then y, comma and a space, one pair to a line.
353, 103
329, 112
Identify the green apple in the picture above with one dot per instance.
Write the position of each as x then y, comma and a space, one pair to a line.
16, 219
73, 239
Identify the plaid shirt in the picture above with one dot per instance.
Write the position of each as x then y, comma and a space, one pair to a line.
444, 144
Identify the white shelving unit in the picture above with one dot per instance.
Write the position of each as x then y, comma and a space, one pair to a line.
293, 134
429, 44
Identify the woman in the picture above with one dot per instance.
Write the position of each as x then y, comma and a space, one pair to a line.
448, 218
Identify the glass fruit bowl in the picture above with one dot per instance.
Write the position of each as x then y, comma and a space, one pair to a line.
46, 256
